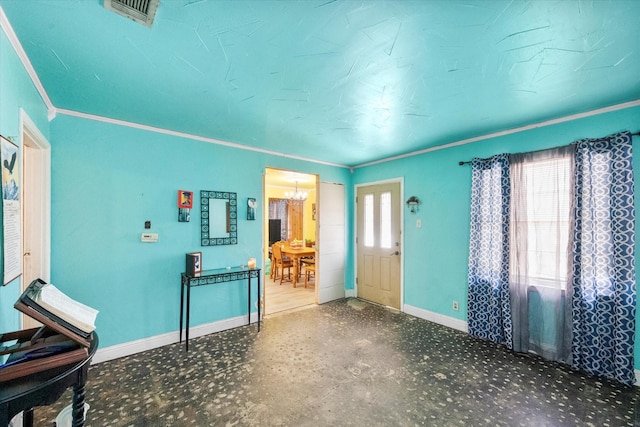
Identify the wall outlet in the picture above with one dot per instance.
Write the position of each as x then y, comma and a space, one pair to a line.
455, 305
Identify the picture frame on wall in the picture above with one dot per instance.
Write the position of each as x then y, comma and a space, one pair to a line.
11, 210
185, 203
185, 199
193, 263
252, 205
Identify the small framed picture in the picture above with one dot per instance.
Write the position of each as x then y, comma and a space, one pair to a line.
185, 199
251, 209
194, 263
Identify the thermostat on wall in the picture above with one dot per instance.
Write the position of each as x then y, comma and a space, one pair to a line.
149, 237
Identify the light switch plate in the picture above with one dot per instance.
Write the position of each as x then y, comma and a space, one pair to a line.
149, 237
418, 223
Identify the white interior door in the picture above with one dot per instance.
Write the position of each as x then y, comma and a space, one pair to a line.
36, 187
331, 242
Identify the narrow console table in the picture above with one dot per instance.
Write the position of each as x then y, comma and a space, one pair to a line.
211, 277
44, 388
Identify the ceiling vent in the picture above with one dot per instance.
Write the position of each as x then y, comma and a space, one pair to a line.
142, 11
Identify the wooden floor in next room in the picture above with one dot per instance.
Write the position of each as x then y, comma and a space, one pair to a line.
283, 297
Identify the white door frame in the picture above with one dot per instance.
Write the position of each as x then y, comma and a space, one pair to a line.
31, 135
355, 233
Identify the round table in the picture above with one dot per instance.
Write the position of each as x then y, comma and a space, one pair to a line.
44, 388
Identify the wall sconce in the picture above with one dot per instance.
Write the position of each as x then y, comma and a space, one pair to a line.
413, 203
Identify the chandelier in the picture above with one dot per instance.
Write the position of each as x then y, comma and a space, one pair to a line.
298, 196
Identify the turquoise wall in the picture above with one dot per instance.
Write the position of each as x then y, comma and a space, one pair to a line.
16, 92
436, 255
107, 180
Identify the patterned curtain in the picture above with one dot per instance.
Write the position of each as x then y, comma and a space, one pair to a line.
489, 310
603, 273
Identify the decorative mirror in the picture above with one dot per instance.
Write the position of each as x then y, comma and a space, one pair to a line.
219, 218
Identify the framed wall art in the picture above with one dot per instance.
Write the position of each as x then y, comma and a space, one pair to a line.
12, 217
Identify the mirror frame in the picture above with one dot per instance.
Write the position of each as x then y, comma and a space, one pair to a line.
232, 198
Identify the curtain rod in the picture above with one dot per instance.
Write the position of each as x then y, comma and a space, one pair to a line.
461, 163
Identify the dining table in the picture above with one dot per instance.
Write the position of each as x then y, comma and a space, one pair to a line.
295, 254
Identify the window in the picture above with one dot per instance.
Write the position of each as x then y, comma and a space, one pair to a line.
541, 192
384, 217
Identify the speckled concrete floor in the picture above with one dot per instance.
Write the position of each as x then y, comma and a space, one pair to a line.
346, 363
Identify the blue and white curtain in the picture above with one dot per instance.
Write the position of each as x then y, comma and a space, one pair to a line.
603, 273
489, 309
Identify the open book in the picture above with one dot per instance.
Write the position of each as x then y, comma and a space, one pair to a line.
48, 300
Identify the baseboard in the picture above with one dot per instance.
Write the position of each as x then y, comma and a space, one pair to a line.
460, 325
441, 319
133, 347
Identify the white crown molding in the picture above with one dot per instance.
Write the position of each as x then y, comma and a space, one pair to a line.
572, 117
17, 46
190, 136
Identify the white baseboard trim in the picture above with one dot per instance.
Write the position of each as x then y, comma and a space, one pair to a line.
133, 347
441, 319
460, 325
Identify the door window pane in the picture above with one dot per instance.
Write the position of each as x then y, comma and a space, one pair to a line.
368, 221
385, 220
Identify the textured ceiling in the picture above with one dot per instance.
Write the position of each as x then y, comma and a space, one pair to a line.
345, 82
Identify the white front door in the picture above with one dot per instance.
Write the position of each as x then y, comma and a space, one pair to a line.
378, 243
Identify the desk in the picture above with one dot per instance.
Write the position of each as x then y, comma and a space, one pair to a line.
295, 255
44, 388
211, 277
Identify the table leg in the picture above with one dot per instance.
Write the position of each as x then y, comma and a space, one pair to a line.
181, 305
294, 280
249, 299
259, 301
78, 405
27, 418
188, 309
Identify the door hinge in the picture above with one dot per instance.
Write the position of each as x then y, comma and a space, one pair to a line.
356, 280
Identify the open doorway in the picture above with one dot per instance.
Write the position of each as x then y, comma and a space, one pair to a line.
291, 219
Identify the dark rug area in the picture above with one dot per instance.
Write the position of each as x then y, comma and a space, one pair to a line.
346, 363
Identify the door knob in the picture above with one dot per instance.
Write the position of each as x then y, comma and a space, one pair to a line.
395, 253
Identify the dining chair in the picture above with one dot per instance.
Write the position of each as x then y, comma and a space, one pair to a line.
309, 269
304, 261
279, 262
